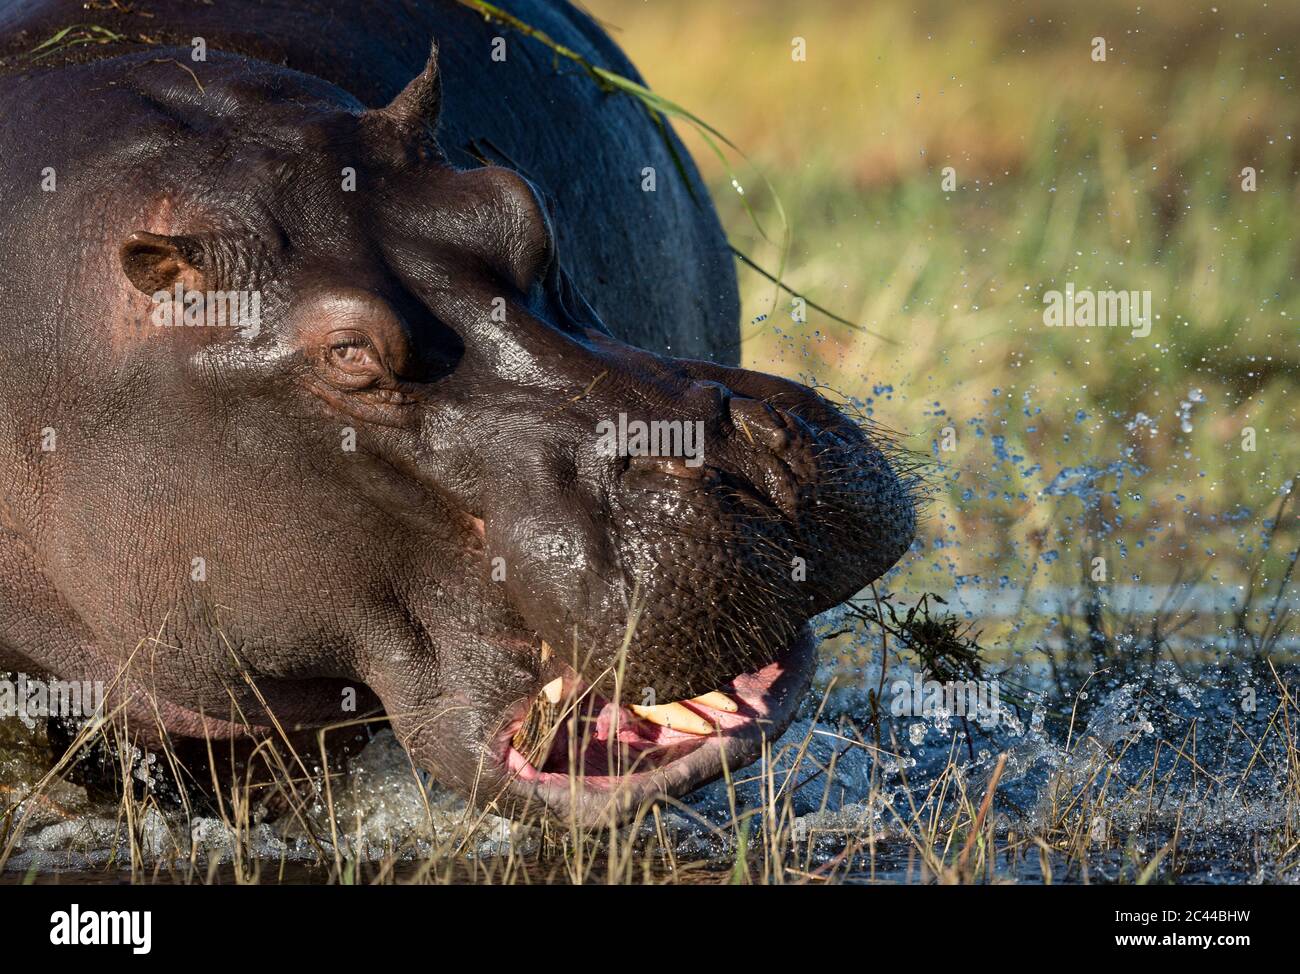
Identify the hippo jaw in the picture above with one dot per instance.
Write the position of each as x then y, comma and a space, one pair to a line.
720, 608
624, 763
772, 530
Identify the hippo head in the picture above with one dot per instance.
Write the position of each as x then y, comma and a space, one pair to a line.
425, 465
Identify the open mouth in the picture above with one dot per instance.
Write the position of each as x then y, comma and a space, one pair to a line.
578, 755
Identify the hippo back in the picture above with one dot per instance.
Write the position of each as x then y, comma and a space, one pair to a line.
653, 263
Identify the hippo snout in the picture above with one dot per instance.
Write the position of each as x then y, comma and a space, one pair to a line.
700, 516
671, 527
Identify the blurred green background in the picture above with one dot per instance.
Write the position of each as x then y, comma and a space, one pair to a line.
1121, 174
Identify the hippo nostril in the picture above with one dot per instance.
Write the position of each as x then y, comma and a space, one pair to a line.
761, 423
716, 391
712, 400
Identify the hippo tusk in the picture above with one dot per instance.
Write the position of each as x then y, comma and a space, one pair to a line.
716, 700
676, 717
554, 690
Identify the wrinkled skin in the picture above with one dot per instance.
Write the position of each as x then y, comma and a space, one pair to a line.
465, 326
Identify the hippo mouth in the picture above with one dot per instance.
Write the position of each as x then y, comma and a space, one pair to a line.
602, 759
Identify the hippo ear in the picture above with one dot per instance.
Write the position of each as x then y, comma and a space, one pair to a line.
153, 262
415, 109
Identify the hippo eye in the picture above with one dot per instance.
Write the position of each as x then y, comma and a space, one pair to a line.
351, 356
354, 355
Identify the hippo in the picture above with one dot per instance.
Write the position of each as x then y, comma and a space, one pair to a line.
370, 361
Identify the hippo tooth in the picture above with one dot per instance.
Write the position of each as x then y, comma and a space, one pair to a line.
536, 733
554, 690
717, 701
676, 717
546, 651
